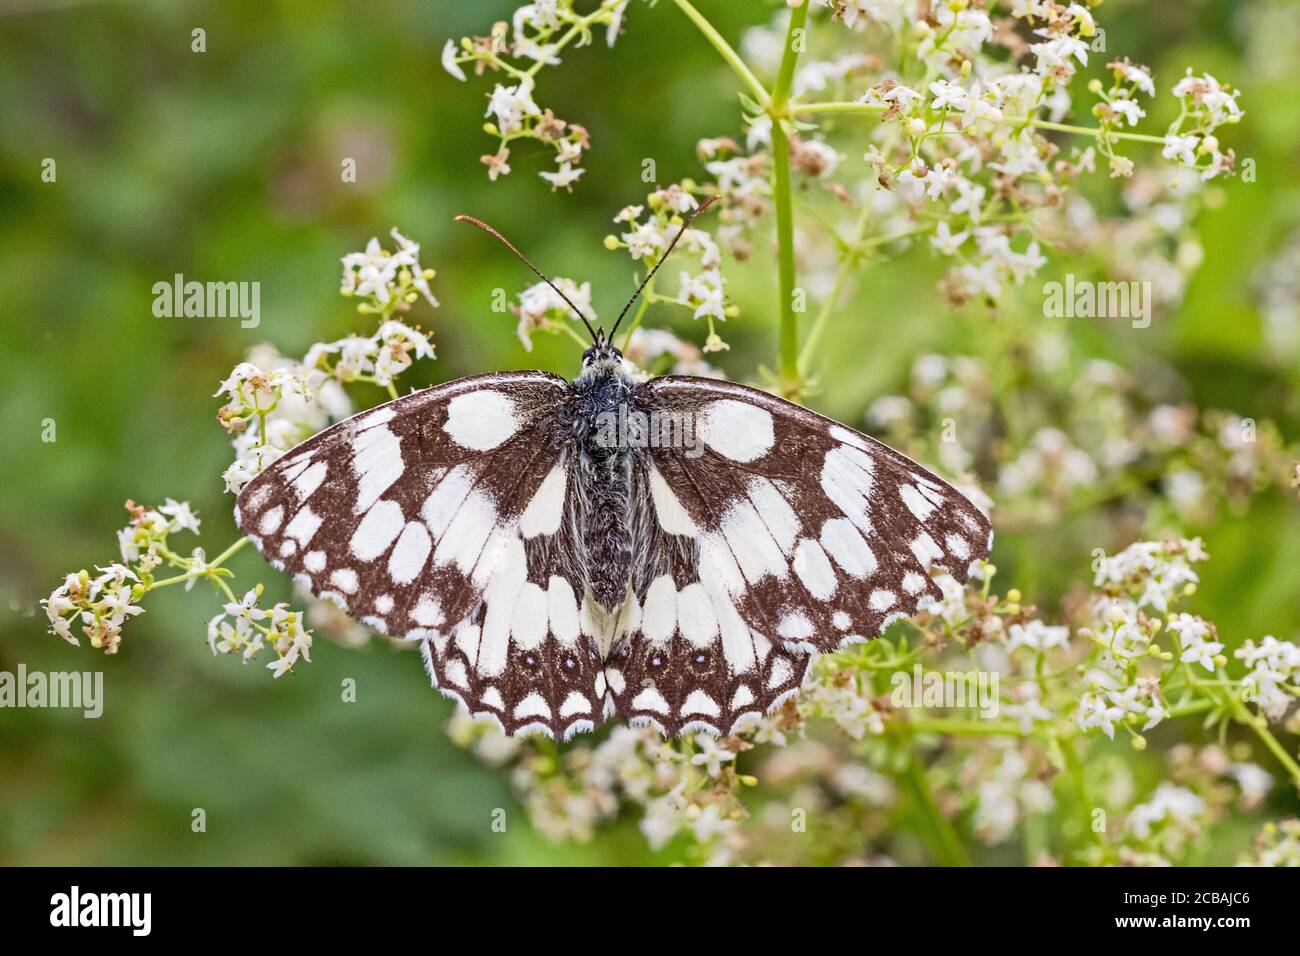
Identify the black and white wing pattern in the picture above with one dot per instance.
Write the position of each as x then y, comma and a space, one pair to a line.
529, 655
428, 518
808, 536
681, 656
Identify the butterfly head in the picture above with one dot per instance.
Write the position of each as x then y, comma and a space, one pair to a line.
602, 356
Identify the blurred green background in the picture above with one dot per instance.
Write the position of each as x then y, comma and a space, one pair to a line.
225, 165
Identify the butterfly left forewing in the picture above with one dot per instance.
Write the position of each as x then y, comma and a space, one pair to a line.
817, 534
400, 514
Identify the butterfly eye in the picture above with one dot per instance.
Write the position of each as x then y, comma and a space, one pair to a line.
700, 659
655, 661
531, 661
570, 664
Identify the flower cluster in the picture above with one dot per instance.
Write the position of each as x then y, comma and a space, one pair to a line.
245, 629
646, 233
541, 309
1277, 844
533, 39
387, 282
100, 604
1205, 105
658, 352
275, 403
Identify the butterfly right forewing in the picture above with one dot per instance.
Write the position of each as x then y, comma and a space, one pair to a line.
819, 535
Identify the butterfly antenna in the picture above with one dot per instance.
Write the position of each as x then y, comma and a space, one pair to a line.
667, 252
511, 246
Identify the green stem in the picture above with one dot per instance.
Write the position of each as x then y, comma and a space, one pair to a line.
852, 257
837, 107
640, 314
789, 59
782, 194
1264, 734
1075, 768
1081, 130
783, 198
725, 51
226, 555
204, 571
946, 843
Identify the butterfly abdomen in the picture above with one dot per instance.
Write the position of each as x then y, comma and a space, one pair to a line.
605, 462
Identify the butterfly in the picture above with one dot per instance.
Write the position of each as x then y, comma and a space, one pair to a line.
670, 552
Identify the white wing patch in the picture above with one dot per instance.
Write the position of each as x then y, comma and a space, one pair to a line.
482, 420
741, 431
544, 512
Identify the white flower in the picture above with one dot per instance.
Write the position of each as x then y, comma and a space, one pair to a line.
1180, 149
1140, 77
539, 303
510, 104
1129, 110
449, 60
408, 255
662, 820
947, 241
369, 273
180, 515
564, 177
979, 107
1196, 648
1037, 636
948, 96
644, 240
904, 97
1054, 55
1170, 803
246, 610
913, 180
704, 292
710, 755
1096, 711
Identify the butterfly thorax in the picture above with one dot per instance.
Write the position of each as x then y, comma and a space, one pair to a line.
603, 473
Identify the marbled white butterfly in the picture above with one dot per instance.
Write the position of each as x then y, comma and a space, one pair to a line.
558, 572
